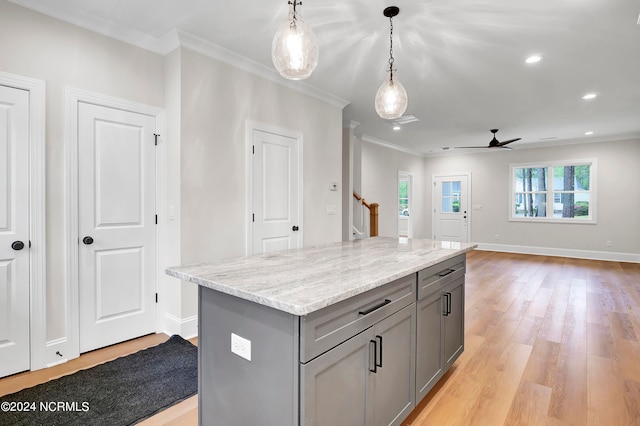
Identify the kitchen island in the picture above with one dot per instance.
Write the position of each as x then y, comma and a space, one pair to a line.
344, 333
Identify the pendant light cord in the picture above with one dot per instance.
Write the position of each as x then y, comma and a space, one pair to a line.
390, 48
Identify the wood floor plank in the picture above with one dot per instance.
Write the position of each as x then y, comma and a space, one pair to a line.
548, 341
606, 394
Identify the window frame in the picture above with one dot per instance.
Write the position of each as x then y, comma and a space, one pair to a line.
550, 193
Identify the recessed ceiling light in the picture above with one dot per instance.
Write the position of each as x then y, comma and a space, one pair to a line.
396, 127
533, 59
589, 96
589, 133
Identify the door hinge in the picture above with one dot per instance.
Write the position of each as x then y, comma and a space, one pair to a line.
156, 138
29, 243
156, 297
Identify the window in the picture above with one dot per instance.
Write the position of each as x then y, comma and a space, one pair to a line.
451, 196
553, 192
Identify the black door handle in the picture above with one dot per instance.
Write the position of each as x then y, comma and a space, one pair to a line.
294, 228
17, 245
87, 240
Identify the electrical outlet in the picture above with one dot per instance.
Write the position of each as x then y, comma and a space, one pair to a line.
241, 346
496, 237
609, 243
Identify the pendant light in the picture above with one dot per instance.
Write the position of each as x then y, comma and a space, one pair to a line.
294, 50
391, 99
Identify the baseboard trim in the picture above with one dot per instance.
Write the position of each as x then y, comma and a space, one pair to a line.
548, 251
185, 327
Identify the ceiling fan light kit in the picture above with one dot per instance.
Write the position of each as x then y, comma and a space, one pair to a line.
391, 99
294, 50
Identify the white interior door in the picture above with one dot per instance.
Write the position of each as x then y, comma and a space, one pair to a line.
116, 219
450, 208
14, 231
276, 210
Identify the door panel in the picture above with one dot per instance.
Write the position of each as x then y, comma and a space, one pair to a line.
451, 208
275, 192
333, 385
14, 227
116, 153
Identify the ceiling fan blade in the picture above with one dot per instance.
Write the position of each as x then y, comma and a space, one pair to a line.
509, 141
465, 147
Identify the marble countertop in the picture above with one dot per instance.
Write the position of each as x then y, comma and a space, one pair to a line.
305, 280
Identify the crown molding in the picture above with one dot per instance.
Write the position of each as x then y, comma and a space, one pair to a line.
229, 57
371, 139
174, 39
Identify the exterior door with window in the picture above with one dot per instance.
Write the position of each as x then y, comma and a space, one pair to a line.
451, 208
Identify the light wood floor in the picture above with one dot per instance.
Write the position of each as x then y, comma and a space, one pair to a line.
548, 341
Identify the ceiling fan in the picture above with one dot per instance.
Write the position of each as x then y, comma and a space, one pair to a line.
495, 143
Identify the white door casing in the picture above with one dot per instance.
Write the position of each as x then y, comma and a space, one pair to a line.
14, 231
451, 213
116, 225
274, 190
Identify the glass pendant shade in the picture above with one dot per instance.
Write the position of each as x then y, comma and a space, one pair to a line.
391, 99
294, 50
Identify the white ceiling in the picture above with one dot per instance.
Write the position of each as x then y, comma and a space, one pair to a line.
461, 61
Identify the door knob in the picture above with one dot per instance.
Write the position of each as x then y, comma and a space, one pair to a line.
87, 240
295, 228
17, 245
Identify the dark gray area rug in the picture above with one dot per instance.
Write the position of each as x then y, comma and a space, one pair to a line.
119, 392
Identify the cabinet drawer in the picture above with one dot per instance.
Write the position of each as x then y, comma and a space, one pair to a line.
434, 277
328, 327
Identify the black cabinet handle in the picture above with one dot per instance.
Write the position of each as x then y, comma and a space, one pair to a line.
379, 338
444, 274
375, 308
295, 228
17, 245
374, 357
446, 304
87, 240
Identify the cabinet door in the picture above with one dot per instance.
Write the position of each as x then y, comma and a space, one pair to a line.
334, 385
454, 322
429, 362
392, 385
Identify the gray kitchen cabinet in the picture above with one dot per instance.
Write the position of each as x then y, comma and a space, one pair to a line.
440, 322
343, 334
453, 322
367, 380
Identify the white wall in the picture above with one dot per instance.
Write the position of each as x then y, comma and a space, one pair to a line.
63, 55
618, 200
207, 104
380, 166
217, 100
